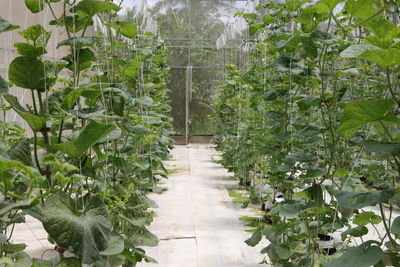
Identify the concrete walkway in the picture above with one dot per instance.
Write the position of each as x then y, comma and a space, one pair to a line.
196, 222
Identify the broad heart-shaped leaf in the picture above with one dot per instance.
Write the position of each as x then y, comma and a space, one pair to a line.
35, 122
27, 72
3, 86
6, 26
364, 255
375, 146
35, 6
124, 28
25, 49
361, 112
357, 200
89, 136
80, 225
93, 7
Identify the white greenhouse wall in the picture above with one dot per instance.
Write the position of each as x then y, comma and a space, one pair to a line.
16, 12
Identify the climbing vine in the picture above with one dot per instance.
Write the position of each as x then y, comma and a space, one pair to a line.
311, 129
99, 131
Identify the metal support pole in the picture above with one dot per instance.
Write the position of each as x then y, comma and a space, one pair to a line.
188, 101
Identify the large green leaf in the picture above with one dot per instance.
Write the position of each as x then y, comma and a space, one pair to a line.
3, 86
90, 135
80, 225
35, 122
255, 238
357, 231
395, 229
361, 8
69, 262
37, 34
19, 259
27, 72
382, 28
357, 200
77, 42
6, 165
53, 68
361, 112
375, 146
6, 207
140, 236
25, 49
354, 51
71, 98
76, 23
124, 28
290, 210
35, 6
367, 217
22, 152
93, 7
324, 6
383, 57
364, 255
6, 26
130, 68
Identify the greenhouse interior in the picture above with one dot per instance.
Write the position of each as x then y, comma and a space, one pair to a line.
199, 133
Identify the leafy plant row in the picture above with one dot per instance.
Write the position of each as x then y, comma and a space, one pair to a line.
99, 131
311, 129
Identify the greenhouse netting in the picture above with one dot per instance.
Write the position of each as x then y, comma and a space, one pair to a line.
201, 37
288, 112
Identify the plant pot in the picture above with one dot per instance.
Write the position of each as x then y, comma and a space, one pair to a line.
327, 244
279, 197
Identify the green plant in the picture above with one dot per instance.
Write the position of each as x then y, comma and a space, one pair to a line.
100, 127
315, 118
